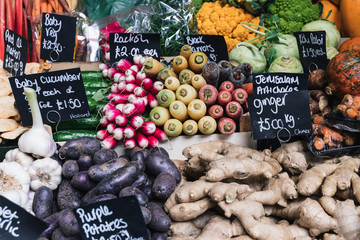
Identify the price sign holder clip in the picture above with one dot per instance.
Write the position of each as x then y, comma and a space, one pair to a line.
54, 58
315, 67
285, 140
57, 122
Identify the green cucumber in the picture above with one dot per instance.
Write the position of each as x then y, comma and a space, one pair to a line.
63, 136
91, 91
89, 123
91, 76
97, 84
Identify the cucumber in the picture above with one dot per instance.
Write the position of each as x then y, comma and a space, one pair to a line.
91, 91
92, 104
91, 76
89, 123
63, 136
97, 84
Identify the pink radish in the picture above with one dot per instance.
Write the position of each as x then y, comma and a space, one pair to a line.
118, 134
136, 122
121, 86
105, 72
120, 106
117, 76
111, 114
139, 92
142, 61
135, 68
129, 132
132, 98
102, 134
114, 88
108, 142
109, 105
157, 87
153, 141
130, 79
139, 105
107, 56
130, 72
121, 120
103, 66
111, 73
146, 84
110, 128
137, 58
123, 65
130, 87
129, 143
141, 140
152, 100
104, 122
160, 134
119, 98
129, 109
140, 76
146, 101
148, 128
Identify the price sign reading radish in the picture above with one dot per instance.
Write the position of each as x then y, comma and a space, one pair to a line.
272, 113
57, 37
17, 223
15, 53
61, 95
127, 45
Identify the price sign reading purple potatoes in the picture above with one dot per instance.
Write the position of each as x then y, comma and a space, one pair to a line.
15, 53
61, 95
272, 113
57, 37
312, 50
18, 224
118, 218
213, 46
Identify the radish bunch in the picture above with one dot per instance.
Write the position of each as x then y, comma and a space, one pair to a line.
113, 27
130, 95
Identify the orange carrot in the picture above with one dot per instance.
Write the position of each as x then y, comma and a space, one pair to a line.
356, 103
36, 7
49, 8
318, 143
43, 7
351, 112
53, 5
37, 46
60, 8
331, 136
319, 120
179, 63
64, 5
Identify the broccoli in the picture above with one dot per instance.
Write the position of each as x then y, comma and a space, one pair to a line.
290, 15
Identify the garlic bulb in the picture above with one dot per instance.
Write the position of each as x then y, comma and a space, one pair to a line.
45, 172
36, 141
15, 155
13, 177
18, 197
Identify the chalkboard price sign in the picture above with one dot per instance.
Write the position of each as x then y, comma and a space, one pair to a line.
127, 45
312, 50
213, 46
57, 37
273, 83
61, 94
119, 218
271, 113
15, 53
17, 223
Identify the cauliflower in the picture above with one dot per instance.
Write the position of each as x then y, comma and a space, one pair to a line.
291, 15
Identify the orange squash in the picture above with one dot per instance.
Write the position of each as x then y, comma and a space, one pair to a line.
350, 18
343, 74
335, 17
350, 44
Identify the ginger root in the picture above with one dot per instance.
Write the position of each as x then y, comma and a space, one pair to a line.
193, 191
311, 180
227, 192
221, 228
242, 169
277, 191
184, 228
188, 211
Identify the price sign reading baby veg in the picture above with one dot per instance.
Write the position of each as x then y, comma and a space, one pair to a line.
17, 223
272, 113
15, 53
127, 45
116, 219
57, 37
312, 50
61, 95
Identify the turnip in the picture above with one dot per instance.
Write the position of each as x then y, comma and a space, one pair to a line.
165, 97
178, 110
190, 127
159, 115
173, 127
186, 93
207, 125
196, 109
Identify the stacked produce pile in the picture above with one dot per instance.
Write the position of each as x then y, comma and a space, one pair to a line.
235, 192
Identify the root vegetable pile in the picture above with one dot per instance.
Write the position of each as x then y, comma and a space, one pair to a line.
240, 193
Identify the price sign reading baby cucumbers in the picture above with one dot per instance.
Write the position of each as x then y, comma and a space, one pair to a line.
61, 95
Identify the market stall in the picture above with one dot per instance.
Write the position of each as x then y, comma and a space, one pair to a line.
179, 120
